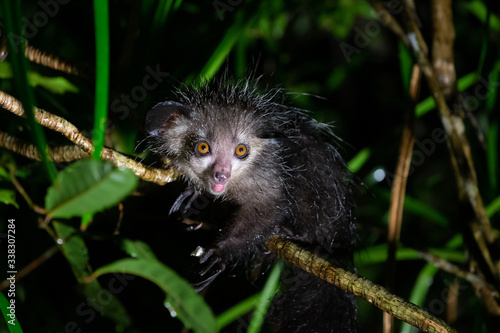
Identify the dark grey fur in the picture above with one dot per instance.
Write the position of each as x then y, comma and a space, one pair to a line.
292, 183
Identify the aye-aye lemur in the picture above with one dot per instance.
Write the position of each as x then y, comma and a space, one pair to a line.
279, 168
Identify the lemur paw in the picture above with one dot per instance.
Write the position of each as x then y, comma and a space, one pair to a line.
190, 191
213, 265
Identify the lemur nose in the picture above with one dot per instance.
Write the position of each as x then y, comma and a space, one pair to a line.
222, 174
219, 176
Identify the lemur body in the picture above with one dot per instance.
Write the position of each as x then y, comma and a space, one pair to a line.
280, 169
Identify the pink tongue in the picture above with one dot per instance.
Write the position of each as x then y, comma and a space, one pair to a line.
218, 187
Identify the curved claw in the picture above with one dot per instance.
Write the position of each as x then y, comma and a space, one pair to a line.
190, 191
190, 202
203, 284
210, 259
210, 264
206, 256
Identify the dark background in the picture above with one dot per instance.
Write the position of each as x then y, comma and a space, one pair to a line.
294, 45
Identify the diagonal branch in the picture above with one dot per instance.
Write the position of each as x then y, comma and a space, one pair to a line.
388, 20
31, 266
61, 125
57, 154
460, 273
359, 286
51, 61
46, 59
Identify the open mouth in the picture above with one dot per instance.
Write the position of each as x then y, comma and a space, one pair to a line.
218, 188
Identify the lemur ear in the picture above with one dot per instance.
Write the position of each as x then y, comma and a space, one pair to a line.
162, 117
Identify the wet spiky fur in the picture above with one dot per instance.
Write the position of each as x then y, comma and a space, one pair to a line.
292, 183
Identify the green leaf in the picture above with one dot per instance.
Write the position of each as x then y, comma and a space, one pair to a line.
478, 8
359, 160
406, 65
8, 197
233, 313
226, 45
337, 77
270, 289
138, 249
4, 304
73, 248
5, 70
182, 301
341, 17
4, 174
75, 251
57, 85
222, 51
378, 254
418, 207
87, 218
125, 139
493, 207
493, 93
161, 14
177, 4
88, 186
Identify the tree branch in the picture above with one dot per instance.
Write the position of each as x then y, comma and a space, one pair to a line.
51, 61
32, 265
57, 154
458, 272
473, 210
459, 148
359, 286
47, 60
442, 47
442, 82
61, 125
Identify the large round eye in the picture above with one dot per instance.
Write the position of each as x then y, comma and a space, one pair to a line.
241, 151
202, 148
